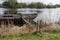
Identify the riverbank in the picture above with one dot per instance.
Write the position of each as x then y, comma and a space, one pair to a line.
51, 35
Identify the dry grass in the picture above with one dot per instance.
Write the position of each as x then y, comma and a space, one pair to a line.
19, 33
4, 31
49, 25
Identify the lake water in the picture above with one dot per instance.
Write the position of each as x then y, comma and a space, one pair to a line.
47, 15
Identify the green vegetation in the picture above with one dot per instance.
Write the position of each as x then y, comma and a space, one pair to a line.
57, 5
50, 6
24, 5
15, 4
52, 35
36, 5
10, 3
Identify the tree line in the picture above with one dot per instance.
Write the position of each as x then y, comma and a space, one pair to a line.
15, 4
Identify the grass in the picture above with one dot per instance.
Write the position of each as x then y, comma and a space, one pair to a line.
51, 35
52, 31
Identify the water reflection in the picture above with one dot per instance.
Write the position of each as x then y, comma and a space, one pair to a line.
10, 11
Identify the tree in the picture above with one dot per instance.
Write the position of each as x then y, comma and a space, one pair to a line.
57, 5
22, 5
36, 5
10, 3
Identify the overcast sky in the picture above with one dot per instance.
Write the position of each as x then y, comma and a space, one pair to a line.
43, 1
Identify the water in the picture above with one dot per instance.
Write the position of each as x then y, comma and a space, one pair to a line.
2, 10
47, 15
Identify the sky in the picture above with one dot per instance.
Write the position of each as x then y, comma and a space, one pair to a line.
43, 1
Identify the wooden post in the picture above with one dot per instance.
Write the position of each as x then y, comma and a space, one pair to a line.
11, 23
40, 26
1, 24
8, 23
37, 28
5, 24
